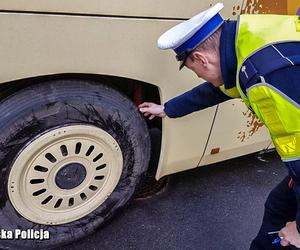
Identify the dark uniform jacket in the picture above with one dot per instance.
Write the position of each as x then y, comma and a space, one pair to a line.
206, 95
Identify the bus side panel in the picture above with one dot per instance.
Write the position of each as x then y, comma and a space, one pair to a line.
153, 8
236, 131
37, 45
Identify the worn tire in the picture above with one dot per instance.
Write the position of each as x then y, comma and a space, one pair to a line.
31, 112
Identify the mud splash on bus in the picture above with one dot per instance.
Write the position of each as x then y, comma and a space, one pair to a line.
260, 7
253, 125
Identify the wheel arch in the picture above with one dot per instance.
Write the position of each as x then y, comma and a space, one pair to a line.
123, 84
137, 91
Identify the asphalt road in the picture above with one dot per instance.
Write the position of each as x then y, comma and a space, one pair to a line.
209, 208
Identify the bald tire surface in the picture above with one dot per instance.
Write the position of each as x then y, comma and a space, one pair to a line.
36, 109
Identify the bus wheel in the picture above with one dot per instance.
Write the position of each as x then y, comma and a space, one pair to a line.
72, 154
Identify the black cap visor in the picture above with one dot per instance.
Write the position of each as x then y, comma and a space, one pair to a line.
183, 57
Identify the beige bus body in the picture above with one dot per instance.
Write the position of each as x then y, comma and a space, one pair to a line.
43, 37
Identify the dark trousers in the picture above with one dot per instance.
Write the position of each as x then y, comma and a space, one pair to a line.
280, 207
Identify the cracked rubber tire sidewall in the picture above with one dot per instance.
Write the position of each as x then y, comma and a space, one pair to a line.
36, 109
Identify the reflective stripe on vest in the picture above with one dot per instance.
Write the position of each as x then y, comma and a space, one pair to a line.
281, 115
277, 111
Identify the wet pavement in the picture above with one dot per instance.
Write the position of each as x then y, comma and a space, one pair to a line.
209, 208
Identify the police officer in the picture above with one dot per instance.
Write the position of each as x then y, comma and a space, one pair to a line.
257, 59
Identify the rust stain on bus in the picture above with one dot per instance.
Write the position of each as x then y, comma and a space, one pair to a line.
253, 124
260, 7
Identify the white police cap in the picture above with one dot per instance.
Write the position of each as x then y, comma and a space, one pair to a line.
186, 36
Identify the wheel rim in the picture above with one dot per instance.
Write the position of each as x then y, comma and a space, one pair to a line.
64, 174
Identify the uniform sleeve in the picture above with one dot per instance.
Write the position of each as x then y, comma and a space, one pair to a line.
203, 96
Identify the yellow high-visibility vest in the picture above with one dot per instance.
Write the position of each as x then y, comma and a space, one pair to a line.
277, 111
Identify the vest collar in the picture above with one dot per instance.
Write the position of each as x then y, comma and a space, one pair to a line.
227, 54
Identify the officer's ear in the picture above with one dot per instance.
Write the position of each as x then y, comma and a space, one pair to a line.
199, 57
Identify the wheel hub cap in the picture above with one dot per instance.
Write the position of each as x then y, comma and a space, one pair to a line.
70, 176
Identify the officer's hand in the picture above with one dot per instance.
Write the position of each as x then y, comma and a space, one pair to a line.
290, 235
152, 109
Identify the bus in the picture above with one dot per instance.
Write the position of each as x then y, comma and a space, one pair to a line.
74, 148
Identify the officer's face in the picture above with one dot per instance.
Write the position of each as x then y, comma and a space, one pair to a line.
206, 65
